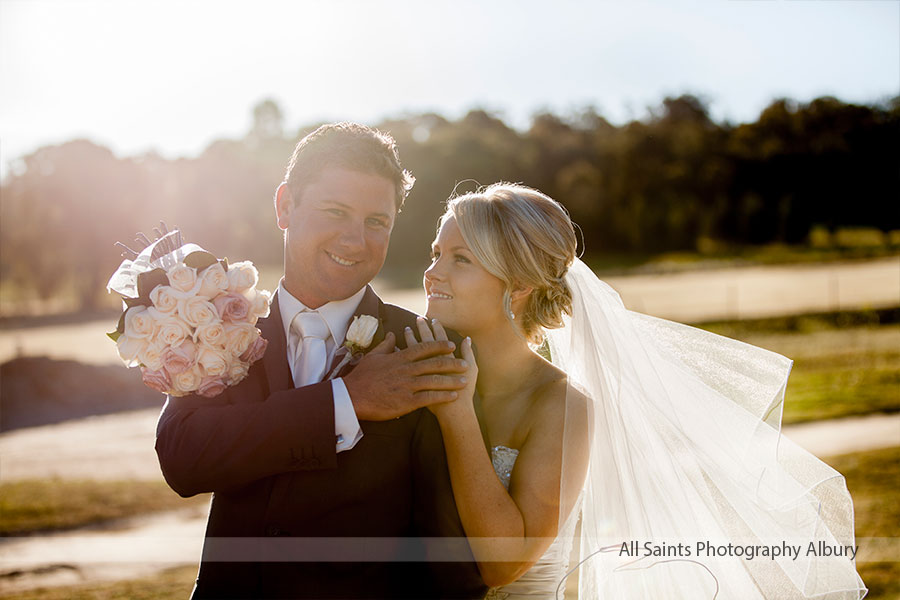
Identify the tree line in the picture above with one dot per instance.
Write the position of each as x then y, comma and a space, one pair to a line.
664, 182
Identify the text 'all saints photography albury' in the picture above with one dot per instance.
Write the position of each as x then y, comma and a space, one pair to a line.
750, 551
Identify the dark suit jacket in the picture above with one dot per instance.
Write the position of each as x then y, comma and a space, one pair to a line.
267, 452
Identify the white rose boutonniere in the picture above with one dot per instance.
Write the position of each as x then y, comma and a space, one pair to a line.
359, 337
360, 333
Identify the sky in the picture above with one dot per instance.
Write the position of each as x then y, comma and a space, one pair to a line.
171, 77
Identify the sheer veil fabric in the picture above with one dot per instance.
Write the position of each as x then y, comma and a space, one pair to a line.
686, 449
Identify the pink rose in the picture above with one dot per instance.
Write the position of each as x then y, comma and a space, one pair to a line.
255, 351
179, 359
156, 379
232, 307
211, 386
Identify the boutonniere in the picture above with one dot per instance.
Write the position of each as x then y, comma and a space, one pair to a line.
359, 337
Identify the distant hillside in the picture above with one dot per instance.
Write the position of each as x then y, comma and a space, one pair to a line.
39, 390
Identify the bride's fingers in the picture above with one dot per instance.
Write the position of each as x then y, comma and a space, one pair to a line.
467, 354
410, 337
439, 333
424, 330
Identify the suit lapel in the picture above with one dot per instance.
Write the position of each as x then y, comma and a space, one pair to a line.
371, 305
278, 372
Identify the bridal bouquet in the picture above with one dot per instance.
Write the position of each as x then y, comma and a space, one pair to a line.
189, 318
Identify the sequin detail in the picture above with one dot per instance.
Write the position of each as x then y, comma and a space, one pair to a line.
504, 459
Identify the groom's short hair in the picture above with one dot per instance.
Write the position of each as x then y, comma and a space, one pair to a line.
350, 146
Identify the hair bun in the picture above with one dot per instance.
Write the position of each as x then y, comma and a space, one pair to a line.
546, 308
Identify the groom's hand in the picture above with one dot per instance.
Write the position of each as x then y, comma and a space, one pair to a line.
387, 384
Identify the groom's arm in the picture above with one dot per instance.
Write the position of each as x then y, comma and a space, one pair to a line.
245, 434
451, 567
436, 516
215, 444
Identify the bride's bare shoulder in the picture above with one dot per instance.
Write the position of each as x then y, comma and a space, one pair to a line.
558, 417
556, 396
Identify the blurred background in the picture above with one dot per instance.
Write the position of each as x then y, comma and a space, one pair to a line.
733, 165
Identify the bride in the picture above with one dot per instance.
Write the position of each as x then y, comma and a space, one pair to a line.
663, 439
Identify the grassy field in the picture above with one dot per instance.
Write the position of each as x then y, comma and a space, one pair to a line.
822, 247
871, 478
844, 363
31, 506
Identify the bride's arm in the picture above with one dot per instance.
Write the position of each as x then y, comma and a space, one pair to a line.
509, 531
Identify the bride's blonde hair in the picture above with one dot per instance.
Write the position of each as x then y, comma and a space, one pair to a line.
524, 238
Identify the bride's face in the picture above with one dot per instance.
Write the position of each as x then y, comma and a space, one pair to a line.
460, 293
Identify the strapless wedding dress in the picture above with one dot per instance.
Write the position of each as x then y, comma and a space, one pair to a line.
543, 579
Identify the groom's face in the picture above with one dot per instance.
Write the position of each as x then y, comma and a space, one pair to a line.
336, 233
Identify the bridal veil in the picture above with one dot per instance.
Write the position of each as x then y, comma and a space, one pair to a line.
692, 491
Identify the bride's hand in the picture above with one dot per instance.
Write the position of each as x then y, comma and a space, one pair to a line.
464, 402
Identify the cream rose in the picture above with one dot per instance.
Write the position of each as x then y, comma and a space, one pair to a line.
241, 276
151, 356
163, 299
212, 360
213, 281
171, 331
211, 334
187, 381
129, 348
259, 303
237, 371
138, 322
182, 277
197, 311
239, 336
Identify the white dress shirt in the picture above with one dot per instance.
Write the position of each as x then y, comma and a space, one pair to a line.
337, 316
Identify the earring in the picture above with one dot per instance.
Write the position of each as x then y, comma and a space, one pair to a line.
512, 315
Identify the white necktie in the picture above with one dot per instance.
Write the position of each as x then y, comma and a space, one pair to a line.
311, 356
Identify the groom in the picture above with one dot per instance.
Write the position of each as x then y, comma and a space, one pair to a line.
327, 489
